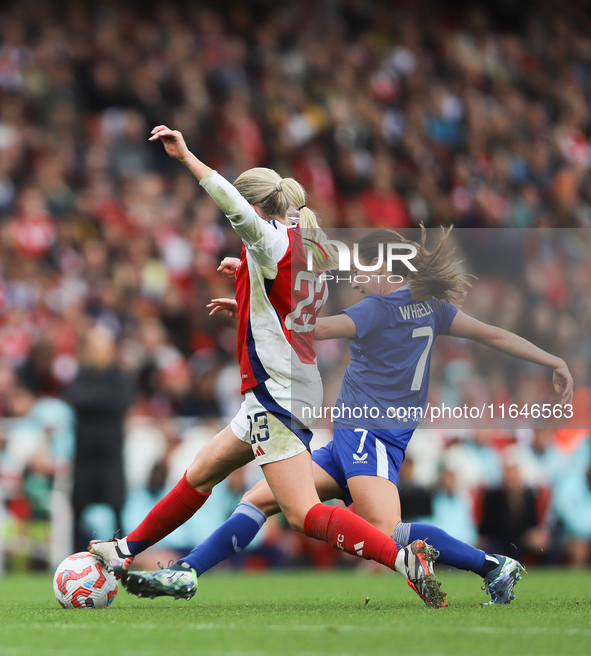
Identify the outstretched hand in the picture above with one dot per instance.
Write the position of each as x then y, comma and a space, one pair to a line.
563, 383
173, 141
227, 305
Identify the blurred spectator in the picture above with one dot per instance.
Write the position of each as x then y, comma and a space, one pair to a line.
382, 207
101, 395
572, 504
474, 461
510, 523
415, 500
34, 470
452, 509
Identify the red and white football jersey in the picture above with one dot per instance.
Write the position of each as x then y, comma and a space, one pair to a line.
278, 299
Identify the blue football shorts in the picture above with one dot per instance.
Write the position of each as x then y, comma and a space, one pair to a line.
361, 452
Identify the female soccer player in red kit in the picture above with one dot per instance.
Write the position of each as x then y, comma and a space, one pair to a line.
278, 302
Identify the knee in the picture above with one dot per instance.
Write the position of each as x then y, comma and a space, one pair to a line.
265, 504
295, 519
386, 525
199, 476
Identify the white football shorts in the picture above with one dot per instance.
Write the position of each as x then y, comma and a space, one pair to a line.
276, 420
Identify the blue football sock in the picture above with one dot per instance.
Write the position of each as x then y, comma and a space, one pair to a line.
234, 535
451, 551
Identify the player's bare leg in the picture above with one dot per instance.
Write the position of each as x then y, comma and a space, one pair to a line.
223, 454
292, 484
180, 580
377, 500
348, 532
262, 497
295, 494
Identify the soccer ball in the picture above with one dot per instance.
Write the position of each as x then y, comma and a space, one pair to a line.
82, 581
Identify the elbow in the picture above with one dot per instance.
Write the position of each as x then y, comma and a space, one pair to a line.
496, 337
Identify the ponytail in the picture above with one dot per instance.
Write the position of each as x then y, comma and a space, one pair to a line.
324, 258
276, 196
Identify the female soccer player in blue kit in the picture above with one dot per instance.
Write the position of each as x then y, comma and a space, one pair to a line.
278, 301
391, 331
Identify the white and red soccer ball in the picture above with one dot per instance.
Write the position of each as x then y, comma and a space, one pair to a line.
82, 581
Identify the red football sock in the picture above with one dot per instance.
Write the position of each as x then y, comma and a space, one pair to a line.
348, 532
179, 505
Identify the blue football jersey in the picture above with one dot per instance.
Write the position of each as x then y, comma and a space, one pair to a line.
390, 360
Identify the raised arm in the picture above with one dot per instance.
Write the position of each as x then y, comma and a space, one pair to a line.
266, 244
175, 146
507, 342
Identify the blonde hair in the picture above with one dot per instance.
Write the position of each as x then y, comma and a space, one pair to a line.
437, 277
276, 196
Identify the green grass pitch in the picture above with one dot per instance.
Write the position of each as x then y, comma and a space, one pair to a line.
307, 613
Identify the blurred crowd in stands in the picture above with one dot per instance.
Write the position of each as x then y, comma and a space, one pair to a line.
391, 114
